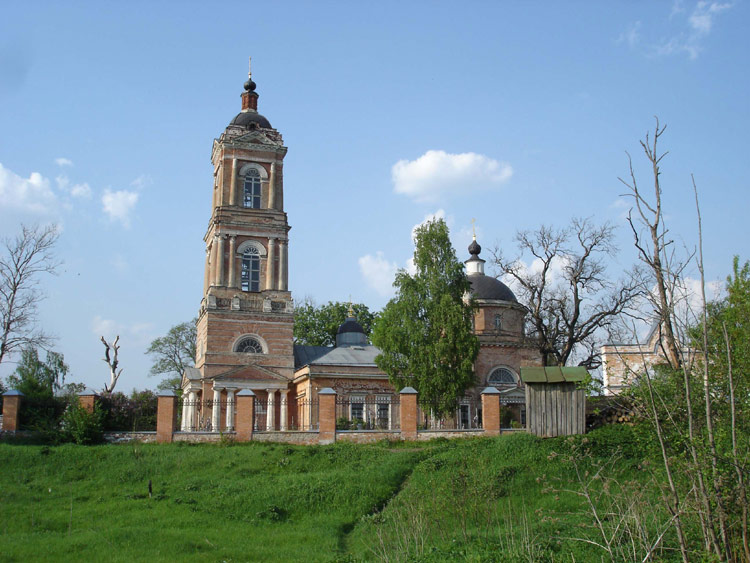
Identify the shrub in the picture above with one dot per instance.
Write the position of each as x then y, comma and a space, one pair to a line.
134, 413
81, 426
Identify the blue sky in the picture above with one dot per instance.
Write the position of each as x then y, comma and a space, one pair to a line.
515, 114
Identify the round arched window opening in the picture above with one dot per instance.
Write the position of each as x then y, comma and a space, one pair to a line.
249, 345
501, 376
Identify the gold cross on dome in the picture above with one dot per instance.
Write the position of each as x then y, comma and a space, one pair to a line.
249, 67
473, 229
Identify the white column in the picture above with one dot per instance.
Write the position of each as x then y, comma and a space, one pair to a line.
230, 409
216, 411
206, 274
270, 266
232, 262
390, 415
283, 412
185, 407
233, 184
270, 408
220, 264
272, 187
192, 399
283, 281
212, 263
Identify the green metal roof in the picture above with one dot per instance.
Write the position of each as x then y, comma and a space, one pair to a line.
553, 374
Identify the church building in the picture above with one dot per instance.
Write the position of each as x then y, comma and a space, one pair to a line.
246, 317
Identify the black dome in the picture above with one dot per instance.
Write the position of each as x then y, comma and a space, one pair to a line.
350, 325
247, 118
487, 287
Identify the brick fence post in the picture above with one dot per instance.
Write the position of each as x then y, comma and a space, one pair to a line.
166, 416
245, 415
11, 410
326, 416
87, 399
491, 411
408, 413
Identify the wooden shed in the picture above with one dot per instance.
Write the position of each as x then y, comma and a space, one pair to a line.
555, 405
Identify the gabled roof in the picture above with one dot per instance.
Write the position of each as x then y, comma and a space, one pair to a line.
342, 356
553, 374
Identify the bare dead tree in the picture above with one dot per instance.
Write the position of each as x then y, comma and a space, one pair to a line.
662, 285
110, 356
568, 308
24, 258
654, 254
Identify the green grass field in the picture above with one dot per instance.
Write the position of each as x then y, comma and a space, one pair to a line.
480, 499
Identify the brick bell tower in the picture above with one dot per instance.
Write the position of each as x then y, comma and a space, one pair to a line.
244, 331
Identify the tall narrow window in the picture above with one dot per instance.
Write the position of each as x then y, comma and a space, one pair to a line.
498, 323
251, 270
252, 189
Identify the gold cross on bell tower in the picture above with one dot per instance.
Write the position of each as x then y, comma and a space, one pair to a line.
473, 228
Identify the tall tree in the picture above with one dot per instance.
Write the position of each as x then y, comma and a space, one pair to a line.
172, 353
425, 333
567, 289
22, 261
37, 378
317, 325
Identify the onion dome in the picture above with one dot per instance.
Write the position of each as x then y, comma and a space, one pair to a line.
482, 286
249, 116
350, 332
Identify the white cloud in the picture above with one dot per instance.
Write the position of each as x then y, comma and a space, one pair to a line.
142, 181
81, 191
632, 36
437, 174
136, 333
105, 327
118, 205
702, 18
31, 195
378, 272
76, 190
63, 161
689, 29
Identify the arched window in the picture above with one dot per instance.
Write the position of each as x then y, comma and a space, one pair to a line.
252, 189
501, 376
249, 345
251, 269
498, 323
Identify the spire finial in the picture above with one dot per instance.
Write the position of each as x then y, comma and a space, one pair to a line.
351, 309
473, 229
249, 67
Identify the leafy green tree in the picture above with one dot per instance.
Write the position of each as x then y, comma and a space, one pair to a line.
36, 378
317, 325
425, 333
172, 353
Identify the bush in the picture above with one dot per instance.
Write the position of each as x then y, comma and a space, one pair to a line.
81, 426
134, 413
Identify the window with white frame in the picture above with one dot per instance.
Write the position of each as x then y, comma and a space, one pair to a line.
249, 345
250, 276
501, 376
251, 194
357, 407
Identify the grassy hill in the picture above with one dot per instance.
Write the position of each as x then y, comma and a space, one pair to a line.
511, 498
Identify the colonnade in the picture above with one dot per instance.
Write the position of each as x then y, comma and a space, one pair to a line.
190, 411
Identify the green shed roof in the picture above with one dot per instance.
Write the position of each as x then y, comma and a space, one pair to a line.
553, 374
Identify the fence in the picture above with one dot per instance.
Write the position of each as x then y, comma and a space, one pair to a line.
379, 413
293, 414
467, 416
355, 416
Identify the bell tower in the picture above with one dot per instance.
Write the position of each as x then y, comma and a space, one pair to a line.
244, 331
